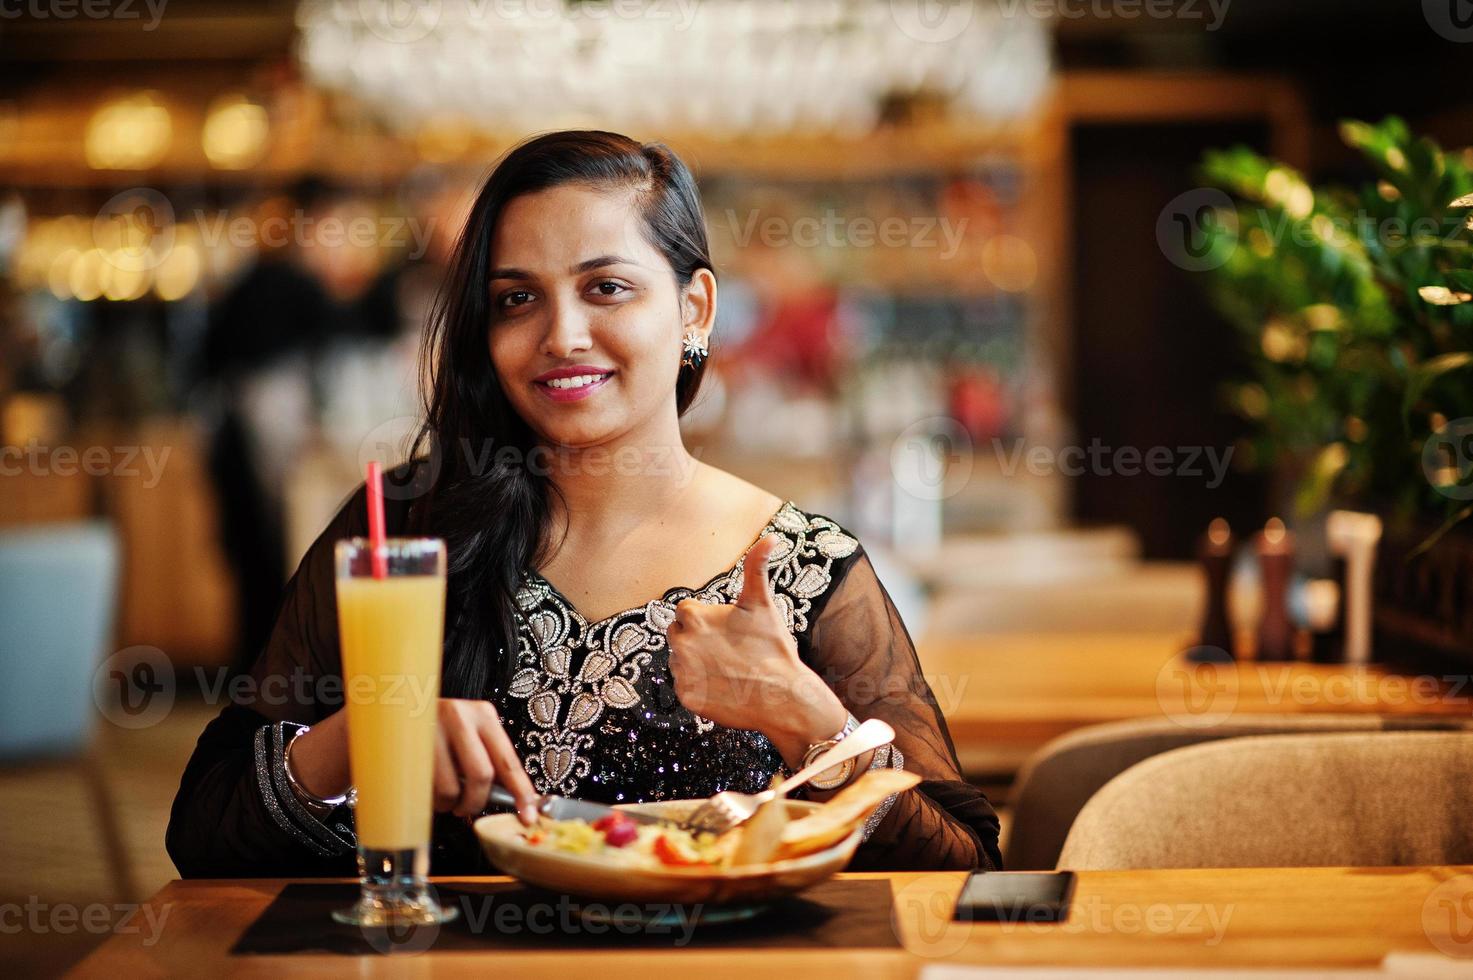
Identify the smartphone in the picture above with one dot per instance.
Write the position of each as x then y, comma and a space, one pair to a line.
1015, 896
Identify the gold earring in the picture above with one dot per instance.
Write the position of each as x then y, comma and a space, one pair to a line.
695, 349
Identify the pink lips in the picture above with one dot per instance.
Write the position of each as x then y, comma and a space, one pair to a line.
542, 382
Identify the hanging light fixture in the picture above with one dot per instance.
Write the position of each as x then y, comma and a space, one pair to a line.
721, 66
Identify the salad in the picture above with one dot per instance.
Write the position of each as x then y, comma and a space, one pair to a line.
769, 835
617, 838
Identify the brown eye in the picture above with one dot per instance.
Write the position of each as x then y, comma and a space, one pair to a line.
609, 288
516, 297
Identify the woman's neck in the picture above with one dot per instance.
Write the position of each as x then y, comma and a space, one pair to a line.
609, 489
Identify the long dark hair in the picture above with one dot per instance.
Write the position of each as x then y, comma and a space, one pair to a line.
491, 508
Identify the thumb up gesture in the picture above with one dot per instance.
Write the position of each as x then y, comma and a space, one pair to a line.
738, 665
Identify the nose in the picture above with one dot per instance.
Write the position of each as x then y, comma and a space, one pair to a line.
567, 330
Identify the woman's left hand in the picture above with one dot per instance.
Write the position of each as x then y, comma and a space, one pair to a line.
738, 665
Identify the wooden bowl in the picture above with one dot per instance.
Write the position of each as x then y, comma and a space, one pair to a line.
586, 876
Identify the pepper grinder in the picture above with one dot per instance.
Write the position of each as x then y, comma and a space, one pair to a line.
1215, 639
1275, 547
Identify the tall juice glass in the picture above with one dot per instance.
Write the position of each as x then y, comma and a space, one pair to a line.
392, 629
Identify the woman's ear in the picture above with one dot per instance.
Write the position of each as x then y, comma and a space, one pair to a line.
698, 305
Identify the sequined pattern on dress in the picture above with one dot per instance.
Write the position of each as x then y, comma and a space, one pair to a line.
592, 706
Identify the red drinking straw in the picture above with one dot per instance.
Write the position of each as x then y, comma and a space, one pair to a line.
376, 521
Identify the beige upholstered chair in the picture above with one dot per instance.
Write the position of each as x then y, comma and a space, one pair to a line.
1357, 799
1061, 777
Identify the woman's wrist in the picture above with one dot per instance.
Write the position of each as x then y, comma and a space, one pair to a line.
318, 759
812, 714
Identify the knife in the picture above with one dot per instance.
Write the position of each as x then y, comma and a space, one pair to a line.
564, 808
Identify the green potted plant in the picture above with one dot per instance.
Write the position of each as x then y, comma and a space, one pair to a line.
1356, 304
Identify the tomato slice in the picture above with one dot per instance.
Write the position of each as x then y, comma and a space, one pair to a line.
669, 852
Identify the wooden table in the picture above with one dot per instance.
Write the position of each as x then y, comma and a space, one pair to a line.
1306, 917
1006, 694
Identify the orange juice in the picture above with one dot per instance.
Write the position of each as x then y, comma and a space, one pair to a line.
392, 631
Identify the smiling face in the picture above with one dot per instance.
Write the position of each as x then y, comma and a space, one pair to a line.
587, 316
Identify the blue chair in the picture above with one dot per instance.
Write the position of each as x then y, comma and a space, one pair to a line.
58, 603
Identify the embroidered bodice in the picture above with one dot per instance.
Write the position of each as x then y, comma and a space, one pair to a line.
592, 707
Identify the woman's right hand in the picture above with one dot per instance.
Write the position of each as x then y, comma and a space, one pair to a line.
472, 751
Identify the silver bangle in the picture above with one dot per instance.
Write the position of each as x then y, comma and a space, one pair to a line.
303, 794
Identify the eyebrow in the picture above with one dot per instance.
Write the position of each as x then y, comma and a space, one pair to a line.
597, 262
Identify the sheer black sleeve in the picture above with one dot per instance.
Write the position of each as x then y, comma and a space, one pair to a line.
235, 815
861, 648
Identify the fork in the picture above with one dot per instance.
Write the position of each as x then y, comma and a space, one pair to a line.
729, 809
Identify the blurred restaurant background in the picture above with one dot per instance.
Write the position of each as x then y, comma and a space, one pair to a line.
997, 291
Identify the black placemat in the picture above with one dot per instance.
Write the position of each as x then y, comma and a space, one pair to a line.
504, 915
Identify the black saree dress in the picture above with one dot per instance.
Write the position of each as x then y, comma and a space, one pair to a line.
592, 710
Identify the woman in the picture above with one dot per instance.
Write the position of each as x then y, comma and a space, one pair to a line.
601, 641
